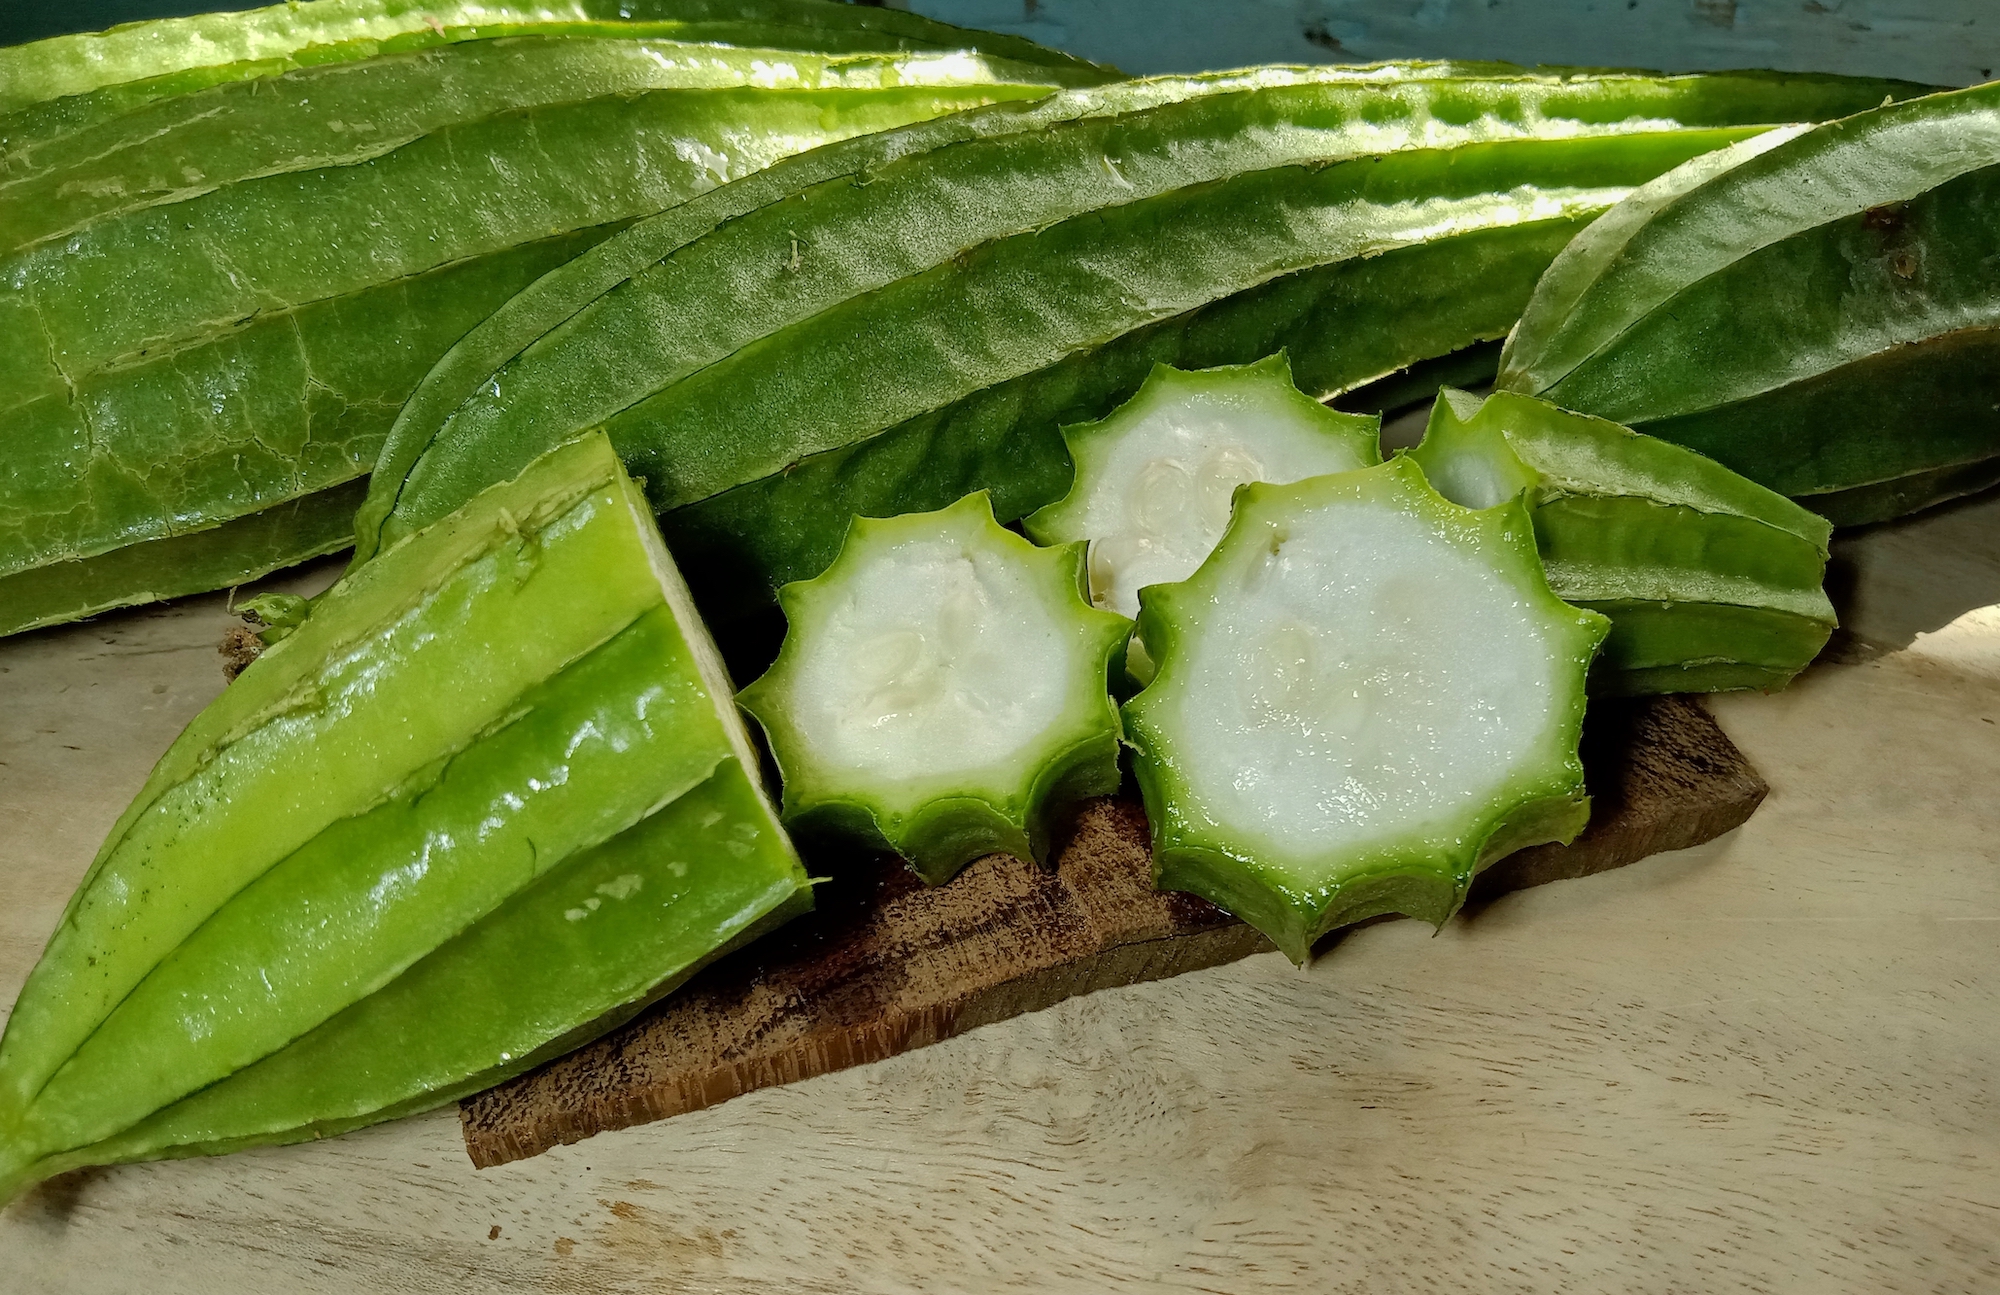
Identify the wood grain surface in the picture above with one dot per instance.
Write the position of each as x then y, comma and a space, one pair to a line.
886, 964
1764, 1064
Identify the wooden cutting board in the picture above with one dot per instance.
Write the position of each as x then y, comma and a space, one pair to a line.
886, 964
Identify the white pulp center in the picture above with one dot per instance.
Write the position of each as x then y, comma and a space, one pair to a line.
1360, 681
1471, 478
1158, 498
940, 661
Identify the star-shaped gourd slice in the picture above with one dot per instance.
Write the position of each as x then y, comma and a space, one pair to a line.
1154, 477
1365, 694
942, 688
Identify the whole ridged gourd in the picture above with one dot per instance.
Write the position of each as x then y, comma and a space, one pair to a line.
1816, 309
887, 324
137, 62
212, 301
492, 797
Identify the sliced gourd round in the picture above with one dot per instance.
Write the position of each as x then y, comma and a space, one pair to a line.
1155, 476
1365, 694
942, 688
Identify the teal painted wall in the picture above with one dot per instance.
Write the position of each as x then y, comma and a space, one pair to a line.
1952, 42
1946, 42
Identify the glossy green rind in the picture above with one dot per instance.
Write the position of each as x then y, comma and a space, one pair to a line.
392, 797
233, 553
598, 938
951, 201
1668, 646
318, 31
269, 409
182, 360
39, 125
467, 369
1878, 503
959, 807
373, 694
1929, 402
1547, 340
1816, 313
429, 205
1294, 896
348, 113
557, 334
855, 270
1697, 567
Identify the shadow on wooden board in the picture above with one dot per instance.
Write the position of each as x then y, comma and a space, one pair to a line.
886, 964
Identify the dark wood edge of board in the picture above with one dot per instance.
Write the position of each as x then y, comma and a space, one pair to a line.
885, 964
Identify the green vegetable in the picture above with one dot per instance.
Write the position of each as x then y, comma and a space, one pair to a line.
941, 691
189, 387
1816, 311
1365, 694
885, 326
353, 112
1154, 478
490, 796
1710, 580
172, 55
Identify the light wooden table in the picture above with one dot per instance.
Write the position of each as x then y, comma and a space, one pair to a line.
1768, 1064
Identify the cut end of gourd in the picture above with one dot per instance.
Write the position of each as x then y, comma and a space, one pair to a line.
1154, 478
1361, 692
1711, 581
1468, 459
940, 685
498, 768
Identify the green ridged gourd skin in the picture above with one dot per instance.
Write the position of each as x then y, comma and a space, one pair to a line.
94, 123
1710, 580
874, 329
1817, 312
172, 55
1365, 694
942, 691
349, 113
191, 390
491, 796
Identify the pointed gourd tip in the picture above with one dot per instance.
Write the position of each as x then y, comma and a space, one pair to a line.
17, 1170
369, 519
1040, 524
1278, 362
858, 529
1297, 951
1454, 403
979, 504
1406, 476
1073, 557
